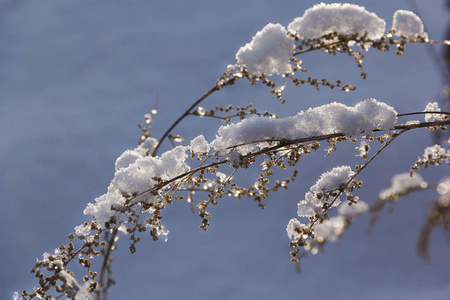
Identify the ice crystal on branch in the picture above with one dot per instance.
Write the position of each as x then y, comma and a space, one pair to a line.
344, 19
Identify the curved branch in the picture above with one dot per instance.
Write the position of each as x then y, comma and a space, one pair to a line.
180, 118
285, 142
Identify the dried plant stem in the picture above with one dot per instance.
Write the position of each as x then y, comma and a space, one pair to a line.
284, 142
105, 265
341, 189
424, 112
180, 118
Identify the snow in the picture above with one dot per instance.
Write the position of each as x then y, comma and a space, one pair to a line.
199, 145
330, 229
83, 292
136, 178
293, 228
130, 156
127, 158
328, 181
353, 210
82, 230
307, 208
402, 183
408, 24
435, 152
269, 52
321, 194
433, 106
333, 179
335, 117
344, 19
363, 148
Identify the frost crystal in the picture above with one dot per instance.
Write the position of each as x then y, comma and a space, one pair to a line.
330, 118
408, 24
433, 106
269, 52
344, 19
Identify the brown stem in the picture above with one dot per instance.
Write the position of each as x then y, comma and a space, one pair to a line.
358, 172
180, 118
105, 265
424, 112
284, 142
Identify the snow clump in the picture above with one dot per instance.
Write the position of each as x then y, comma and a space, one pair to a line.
269, 52
408, 24
294, 229
345, 19
401, 184
433, 106
199, 145
328, 182
353, 210
436, 152
134, 177
325, 193
331, 118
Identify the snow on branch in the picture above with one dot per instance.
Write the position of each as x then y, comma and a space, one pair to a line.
270, 52
434, 107
402, 184
408, 24
345, 19
145, 183
326, 119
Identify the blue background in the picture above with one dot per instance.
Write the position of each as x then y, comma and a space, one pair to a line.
76, 77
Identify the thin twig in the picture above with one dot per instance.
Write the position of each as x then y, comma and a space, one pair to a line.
283, 143
424, 112
340, 191
180, 118
105, 264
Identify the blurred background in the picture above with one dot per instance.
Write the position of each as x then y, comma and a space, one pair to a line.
77, 77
